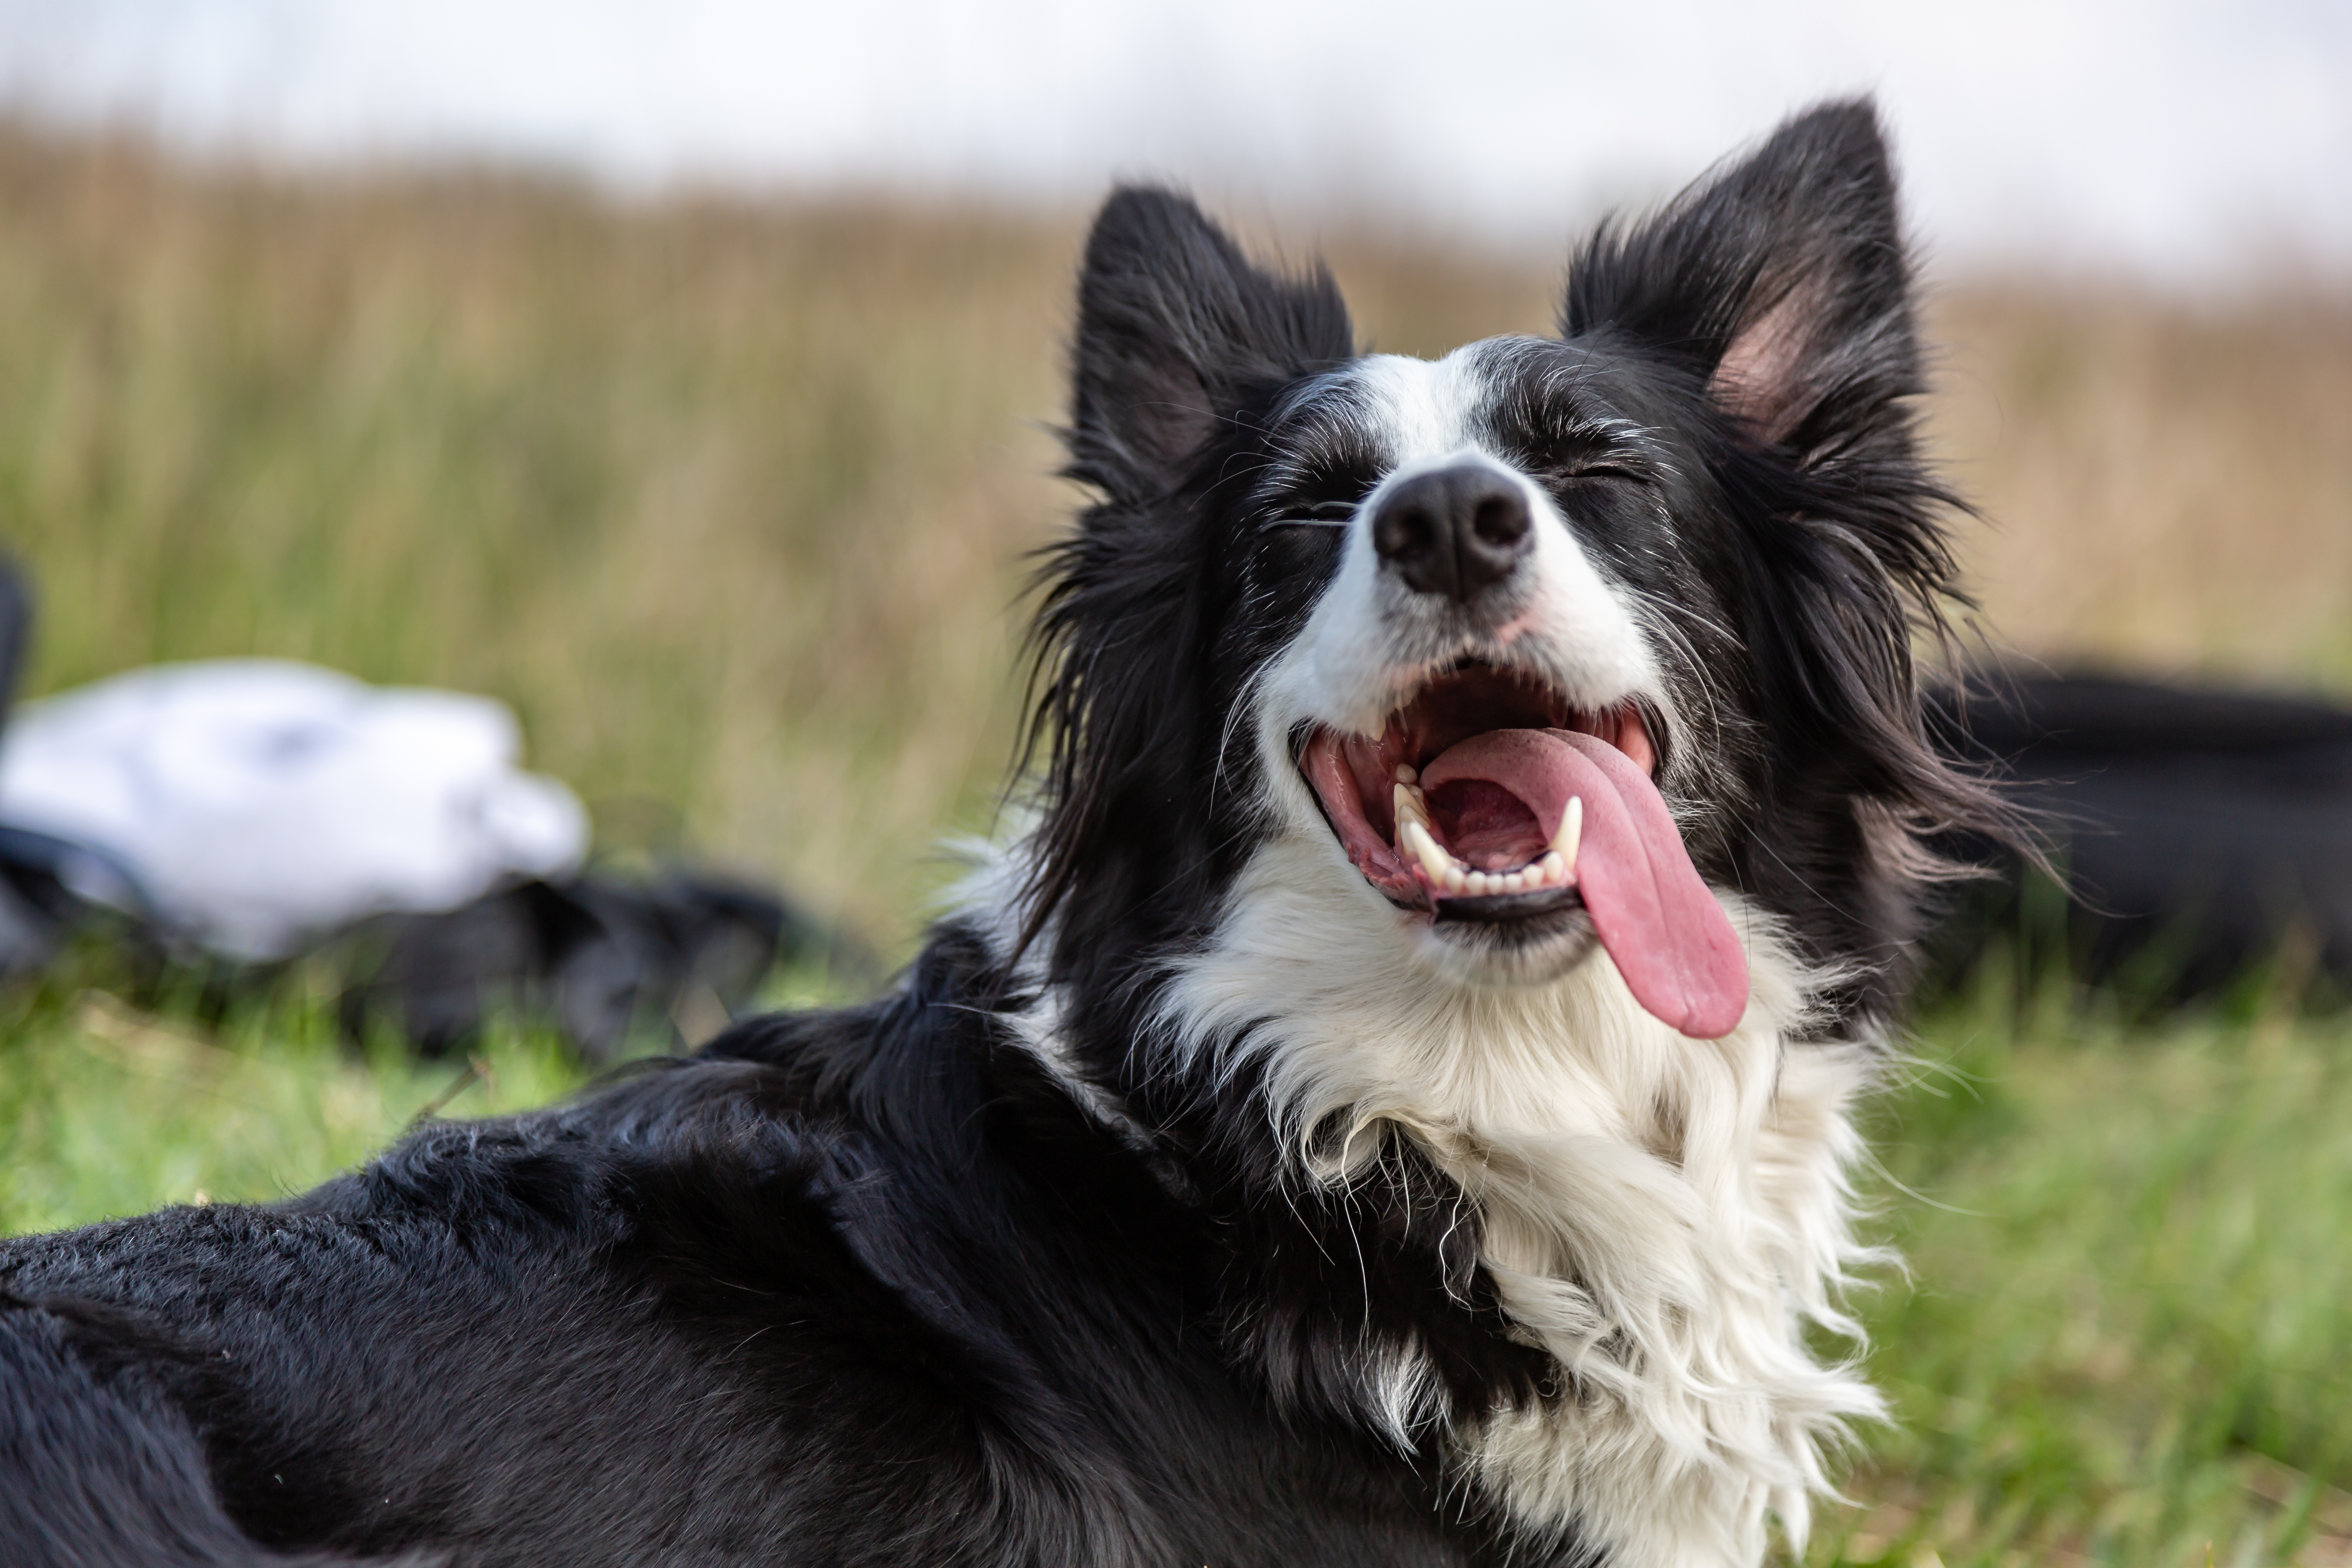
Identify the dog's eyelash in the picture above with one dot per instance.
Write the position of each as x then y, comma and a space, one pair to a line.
1598, 471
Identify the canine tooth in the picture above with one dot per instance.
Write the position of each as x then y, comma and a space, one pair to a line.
1410, 806
1405, 774
1423, 849
1553, 867
1571, 831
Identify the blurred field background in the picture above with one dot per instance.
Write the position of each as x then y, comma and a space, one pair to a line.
730, 500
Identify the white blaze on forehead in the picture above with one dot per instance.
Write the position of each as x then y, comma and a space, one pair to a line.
1418, 408
1372, 640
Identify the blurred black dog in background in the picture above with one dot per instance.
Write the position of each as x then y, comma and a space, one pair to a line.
2202, 830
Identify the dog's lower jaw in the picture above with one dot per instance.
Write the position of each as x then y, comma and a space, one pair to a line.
1663, 1215
1536, 953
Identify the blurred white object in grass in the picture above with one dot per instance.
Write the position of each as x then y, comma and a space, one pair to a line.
261, 801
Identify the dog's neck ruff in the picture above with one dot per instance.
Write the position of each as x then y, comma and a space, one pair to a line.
1664, 1215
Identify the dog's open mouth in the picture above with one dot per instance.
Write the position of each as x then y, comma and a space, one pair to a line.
1489, 799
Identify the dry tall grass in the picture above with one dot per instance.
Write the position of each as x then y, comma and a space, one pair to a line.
2165, 486
729, 500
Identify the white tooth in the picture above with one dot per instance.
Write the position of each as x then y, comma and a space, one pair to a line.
1423, 849
1477, 880
1456, 880
1409, 805
1571, 831
1516, 882
1554, 868
1405, 774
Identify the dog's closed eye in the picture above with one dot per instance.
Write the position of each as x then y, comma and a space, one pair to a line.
1571, 472
1316, 514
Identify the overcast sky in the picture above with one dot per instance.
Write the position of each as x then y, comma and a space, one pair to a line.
2183, 142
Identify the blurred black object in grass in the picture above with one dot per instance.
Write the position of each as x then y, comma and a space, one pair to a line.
607, 959
2205, 832
613, 963
46, 883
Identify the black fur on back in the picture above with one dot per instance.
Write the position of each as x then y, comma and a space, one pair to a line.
888, 1285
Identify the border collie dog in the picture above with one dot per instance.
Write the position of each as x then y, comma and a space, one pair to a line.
1389, 1105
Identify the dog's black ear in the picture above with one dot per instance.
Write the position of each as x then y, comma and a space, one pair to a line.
1176, 330
1781, 279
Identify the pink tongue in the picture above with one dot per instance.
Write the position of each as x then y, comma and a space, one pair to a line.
1667, 935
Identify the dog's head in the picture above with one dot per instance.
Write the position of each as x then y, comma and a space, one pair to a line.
1545, 643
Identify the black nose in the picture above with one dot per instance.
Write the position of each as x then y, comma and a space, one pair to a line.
1452, 532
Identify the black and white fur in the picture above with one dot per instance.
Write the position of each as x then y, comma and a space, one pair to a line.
1189, 1200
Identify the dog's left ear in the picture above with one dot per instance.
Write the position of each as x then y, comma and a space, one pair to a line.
1781, 279
1176, 330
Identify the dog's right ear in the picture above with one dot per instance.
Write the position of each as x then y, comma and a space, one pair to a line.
1176, 332
1781, 281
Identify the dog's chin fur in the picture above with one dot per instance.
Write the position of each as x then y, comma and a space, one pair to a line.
1529, 950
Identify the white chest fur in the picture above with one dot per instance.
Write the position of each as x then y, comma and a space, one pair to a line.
1663, 1215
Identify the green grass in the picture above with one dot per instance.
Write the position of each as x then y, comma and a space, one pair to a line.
2124, 1335
109, 1109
